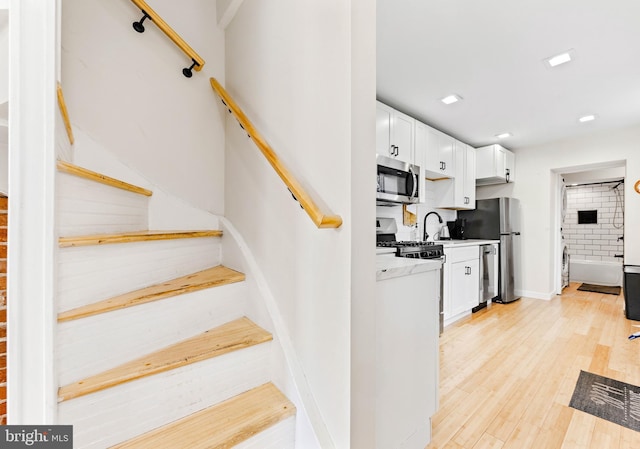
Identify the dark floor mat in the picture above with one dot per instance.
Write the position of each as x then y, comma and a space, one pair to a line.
608, 399
599, 289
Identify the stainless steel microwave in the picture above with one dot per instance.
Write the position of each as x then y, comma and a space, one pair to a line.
398, 182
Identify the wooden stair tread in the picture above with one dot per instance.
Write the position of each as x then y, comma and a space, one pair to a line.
223, 425
211, 277
129, 237
231, 336
102, 179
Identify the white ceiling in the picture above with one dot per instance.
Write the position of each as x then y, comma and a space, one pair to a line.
491, 53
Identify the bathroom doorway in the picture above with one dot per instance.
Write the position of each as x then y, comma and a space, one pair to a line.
589, 223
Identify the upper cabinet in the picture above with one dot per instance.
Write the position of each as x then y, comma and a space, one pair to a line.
441, 158
459, 192
495, 165
434, 152
394, 133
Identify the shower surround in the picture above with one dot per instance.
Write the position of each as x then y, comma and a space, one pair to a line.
601, 241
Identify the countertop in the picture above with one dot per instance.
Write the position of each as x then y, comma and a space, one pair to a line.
445, 244
467, 242
388, 266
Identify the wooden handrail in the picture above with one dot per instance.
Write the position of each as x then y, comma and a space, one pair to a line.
321, 219
65, 114
171, 34
637, 186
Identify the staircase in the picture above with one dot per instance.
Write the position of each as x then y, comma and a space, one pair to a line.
154, 348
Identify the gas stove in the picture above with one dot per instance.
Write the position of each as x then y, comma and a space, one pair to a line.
401, 243
386, 238
414, 250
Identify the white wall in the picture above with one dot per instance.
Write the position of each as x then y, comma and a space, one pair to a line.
289, 67
535, 187
588, 176
31, 320
421, 210
4, 55
362, 256
127, 92
4, 97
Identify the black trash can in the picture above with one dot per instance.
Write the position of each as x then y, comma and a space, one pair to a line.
631, 286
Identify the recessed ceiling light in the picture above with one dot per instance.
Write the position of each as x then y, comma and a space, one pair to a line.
503, 135
587, 118
561, 58
450, 99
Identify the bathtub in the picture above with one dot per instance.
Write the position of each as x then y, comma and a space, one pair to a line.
599, 272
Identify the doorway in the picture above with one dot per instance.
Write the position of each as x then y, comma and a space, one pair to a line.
589, 223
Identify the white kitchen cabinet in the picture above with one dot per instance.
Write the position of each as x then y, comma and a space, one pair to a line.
459, 192
510, 166
434, 151
394, 133
495, 165
407, 339
461, 282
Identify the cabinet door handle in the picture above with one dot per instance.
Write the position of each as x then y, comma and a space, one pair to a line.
508, 173
397, 150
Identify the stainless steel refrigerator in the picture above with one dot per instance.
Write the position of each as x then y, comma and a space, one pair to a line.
498, 219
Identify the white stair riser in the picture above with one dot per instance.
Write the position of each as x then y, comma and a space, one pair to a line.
117, 414
278, 436
94, 344
88, 274
88, 207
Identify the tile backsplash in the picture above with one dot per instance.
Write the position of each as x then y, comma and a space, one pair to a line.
598, 241
416, 233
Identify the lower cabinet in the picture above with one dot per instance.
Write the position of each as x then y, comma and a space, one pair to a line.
461, 278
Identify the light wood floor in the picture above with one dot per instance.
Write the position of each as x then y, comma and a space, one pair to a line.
508, 372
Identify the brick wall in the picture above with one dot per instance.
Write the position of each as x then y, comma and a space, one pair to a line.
4, 203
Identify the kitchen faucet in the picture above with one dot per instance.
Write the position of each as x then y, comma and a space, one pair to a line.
425, 236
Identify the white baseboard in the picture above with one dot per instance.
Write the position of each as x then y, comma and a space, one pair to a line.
535, 295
